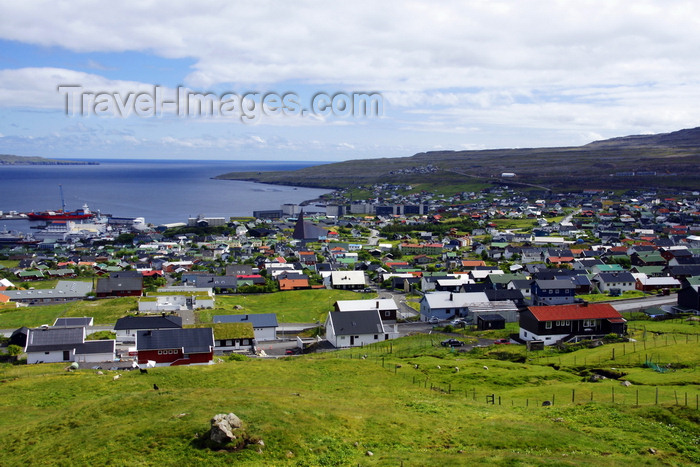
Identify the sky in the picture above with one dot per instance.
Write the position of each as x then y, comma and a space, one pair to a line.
283, 80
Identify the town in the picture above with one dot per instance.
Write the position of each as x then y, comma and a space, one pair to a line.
551, 269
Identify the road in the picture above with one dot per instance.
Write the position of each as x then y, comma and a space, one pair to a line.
638, 304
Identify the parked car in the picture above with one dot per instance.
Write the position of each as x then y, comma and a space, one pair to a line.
433, 320
451, 343
502, 341
458, 322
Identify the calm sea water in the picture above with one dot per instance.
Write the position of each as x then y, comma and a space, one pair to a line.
159, 191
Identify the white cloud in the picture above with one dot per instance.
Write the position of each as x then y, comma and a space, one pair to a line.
393, 45
451, 69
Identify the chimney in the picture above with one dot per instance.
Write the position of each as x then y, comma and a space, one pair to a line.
450, 296
377, 303
584, 304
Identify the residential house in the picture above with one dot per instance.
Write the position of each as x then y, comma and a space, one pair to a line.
264, 324
622, 281
652, 284
552, 324
552, 292
172, 347
347, 279
289, 281
355, 328
387, 307
119, 286
447, 305
66, 344
231, 337
127, 327
523, 285
194, 299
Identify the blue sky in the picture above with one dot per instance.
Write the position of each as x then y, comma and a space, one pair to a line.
456, 75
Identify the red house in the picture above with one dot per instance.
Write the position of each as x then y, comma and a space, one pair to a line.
170, 347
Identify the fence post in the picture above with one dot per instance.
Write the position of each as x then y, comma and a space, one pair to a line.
637, 404
573, 396
656, 402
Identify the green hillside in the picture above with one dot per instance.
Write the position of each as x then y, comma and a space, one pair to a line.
404, 401
663, 161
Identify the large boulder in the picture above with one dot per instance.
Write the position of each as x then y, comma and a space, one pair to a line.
223, 428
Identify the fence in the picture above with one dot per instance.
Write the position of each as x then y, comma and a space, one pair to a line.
392, 357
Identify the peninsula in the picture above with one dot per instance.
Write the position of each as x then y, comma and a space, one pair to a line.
665, 160
8, 159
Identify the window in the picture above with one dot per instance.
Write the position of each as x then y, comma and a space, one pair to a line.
548, 325
376, 337
567, 323
588, 323
387, 313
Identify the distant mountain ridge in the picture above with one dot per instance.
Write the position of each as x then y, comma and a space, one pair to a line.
668, 160
677, 139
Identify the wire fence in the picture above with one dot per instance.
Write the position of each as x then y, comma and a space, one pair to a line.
396, 356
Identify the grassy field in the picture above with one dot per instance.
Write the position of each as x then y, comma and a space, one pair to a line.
332, 408
103, 312
517, 224
297, 306
601, 297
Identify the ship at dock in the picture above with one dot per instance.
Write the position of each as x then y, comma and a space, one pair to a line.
62, 215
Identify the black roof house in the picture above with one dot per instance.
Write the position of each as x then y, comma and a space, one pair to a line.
48, 339
148, 322
355, 322
191, 340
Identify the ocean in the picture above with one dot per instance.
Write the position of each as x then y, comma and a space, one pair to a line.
161, 191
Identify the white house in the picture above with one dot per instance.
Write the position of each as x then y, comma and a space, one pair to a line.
447, 305
355, 328
66, 344
177, 301
348, 279
623, 281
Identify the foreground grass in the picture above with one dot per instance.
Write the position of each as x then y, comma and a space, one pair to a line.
324, 409
297, 306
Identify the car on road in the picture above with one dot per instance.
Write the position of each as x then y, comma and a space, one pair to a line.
451, 343
433, 320
502, 341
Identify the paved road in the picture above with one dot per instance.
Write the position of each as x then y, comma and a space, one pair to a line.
638, 304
